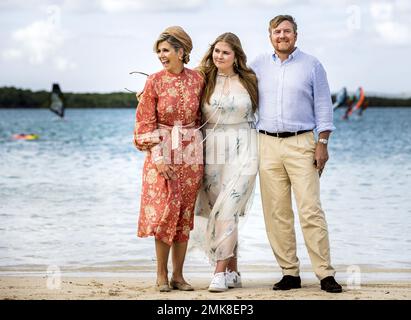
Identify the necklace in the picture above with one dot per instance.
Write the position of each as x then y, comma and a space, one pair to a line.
226, 75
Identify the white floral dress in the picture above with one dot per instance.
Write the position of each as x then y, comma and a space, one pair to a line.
230, 170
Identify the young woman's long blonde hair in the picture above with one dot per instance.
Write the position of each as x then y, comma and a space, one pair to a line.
246, 75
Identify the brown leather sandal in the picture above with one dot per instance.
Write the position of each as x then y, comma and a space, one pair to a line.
163, 287
183, 286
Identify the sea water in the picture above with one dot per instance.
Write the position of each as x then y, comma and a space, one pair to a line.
71, 198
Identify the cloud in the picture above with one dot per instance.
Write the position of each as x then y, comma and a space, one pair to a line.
381, 10
390, 20
393, 32
40, 41
284, 3
113, 6
403, 5
81, 6
16, 4
259, 3
108, 6
62, 64
12, 54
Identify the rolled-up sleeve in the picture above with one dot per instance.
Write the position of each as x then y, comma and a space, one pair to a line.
323, 109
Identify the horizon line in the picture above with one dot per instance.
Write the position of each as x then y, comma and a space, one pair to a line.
402, 95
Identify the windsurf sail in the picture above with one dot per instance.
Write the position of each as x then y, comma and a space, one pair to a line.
57, 103
359, 97
340, 99
363, 107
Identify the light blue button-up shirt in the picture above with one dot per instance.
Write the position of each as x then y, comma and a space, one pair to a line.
293, 95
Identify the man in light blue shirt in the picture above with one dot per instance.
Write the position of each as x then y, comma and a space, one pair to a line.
294, 100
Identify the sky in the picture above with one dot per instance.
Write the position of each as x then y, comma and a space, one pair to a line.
91, 46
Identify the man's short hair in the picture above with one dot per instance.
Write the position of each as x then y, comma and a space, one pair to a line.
278, 19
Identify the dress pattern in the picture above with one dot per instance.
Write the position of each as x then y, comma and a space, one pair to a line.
231, 165
169, 110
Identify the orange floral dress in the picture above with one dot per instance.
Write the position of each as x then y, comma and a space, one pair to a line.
167, 119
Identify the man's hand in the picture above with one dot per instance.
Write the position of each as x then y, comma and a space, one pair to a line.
320, 157
321, 152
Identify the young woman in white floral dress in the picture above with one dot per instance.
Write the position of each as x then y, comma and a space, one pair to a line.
229, 102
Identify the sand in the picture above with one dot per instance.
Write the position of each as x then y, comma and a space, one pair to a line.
95, 287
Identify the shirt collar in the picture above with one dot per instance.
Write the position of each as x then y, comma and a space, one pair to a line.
292, 55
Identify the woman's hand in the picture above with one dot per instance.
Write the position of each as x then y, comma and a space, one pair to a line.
166, 170
147, 142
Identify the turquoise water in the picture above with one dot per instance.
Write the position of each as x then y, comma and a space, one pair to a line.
71, 198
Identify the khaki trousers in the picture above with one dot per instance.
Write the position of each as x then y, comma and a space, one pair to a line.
285, 164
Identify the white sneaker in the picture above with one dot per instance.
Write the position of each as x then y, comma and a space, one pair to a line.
233, 279
218, 283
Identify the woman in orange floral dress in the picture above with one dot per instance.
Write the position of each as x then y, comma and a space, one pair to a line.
167, 120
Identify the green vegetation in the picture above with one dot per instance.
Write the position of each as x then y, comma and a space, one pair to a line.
11, 97
385, 101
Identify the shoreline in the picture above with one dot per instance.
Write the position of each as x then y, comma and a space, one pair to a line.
256, 269
257, 285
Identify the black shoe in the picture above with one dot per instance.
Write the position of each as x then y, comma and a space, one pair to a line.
287, 283
330, 285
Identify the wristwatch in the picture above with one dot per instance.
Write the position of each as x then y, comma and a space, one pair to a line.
323, 141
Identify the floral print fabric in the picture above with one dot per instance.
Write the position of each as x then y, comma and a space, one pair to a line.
169, 101
231, 164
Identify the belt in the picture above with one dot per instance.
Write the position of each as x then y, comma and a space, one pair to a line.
283, 134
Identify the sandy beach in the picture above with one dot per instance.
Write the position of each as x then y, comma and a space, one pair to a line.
141, 288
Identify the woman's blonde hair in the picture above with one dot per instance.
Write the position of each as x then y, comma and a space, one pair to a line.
209, 70
178, 39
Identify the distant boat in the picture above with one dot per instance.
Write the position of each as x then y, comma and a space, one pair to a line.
57, 103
